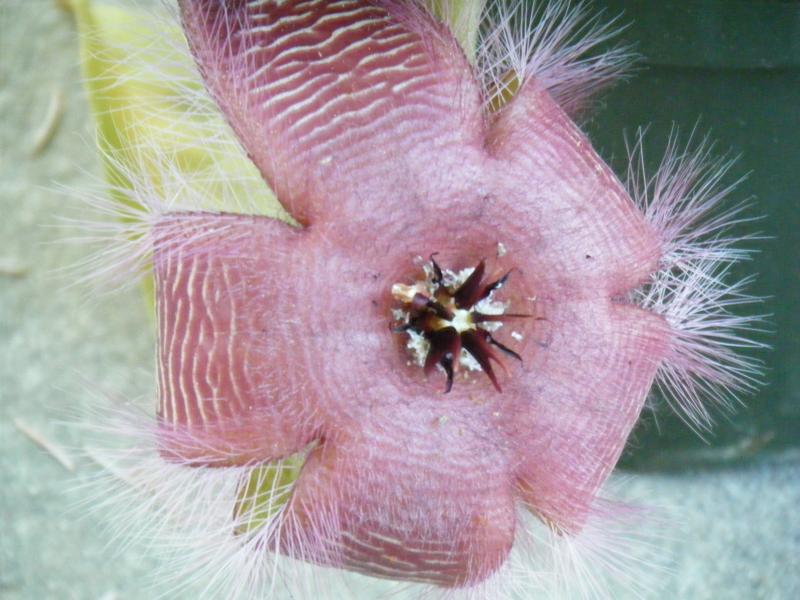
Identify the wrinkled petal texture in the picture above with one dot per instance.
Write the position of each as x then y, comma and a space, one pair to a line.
328, 97
367, 121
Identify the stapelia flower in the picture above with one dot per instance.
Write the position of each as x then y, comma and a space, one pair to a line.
463, 323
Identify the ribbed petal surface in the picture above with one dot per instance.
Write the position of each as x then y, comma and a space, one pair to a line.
269, 334
359, 112
589, 236
226, 394
333, 98
585, 383
413, 495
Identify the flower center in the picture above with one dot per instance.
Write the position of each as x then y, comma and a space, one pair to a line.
450, 317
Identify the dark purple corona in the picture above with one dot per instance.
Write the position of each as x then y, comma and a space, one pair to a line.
447, 314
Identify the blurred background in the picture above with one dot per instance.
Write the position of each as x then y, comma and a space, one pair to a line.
734, 65
732, 68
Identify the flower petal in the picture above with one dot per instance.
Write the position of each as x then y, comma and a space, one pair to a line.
412, 496
332, 98
588, 232
225, 388
586, 380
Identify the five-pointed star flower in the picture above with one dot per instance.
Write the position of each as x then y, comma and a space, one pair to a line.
369, 123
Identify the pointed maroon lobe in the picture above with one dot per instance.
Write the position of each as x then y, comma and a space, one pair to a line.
368, 122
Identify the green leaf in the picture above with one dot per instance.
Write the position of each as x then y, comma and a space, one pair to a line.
153, 117
464, 18
263, 491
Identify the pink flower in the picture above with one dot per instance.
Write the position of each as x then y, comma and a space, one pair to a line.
323, 337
